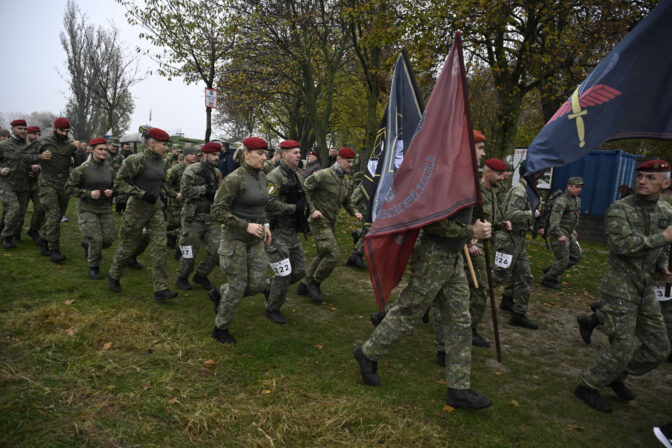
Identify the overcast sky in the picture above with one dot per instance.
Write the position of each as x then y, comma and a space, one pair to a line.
33, 66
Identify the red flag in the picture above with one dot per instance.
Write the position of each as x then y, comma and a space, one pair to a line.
436, 179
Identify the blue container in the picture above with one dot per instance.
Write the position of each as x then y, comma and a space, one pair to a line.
602, 172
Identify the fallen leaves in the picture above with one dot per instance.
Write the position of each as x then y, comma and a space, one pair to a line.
69, 301
576, 427
319, 346
209, 363
515, 403
172, 400
146, 386
265, 392
107, 345
448, 408
441, 382
70, 332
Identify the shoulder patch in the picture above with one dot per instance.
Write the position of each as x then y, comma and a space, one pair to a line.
272, 188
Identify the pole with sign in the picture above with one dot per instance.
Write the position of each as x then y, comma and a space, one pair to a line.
211, 98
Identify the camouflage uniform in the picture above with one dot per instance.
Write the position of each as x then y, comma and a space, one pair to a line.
115, 161
14, 188
438, 279
240, 200
360, 202
326, 191
96, 222
199, 185
174, 205
631, 312
34, 195
517, 210
563, 220
141, 176
285, 189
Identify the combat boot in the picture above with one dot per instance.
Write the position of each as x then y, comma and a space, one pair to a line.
223, 336
178, 253
546, 269
203, 281
276, 317
586, 326
506, 304
477, 340
550, 283
377, 318
216, 297
85, 246
183, 284
368, 368
34, 235
56, 256
467, 398
592, 398
133, 263
594, 306
622, 391
164, 294
314, 291
356, 261
8, 242
441, 358
171, 241
113, 283
521, 320
44, 248
94, 274
302, 290
355, 236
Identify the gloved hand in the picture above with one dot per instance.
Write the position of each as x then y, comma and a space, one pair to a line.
149, 198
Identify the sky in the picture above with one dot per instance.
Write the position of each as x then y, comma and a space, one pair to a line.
33, 69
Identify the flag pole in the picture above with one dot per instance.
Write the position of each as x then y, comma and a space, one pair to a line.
486, 252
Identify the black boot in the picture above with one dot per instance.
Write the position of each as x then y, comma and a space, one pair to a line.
594, 306
441, 358
586, 326
506, 304
94, 274
356, 261
203, 281
164, 294
183, 284
8, 242
276, 317
622, 391
34, 235
368, 368
216, 297
17, 238
178, 253
223, 336
113, 283
172, 240
521, 320
133, 263
355, 236
302, 290
592, 398
477, 340
466, 398
546, 269
550, 283
377, 318
85, 246
56, 256
314, 291
44, 248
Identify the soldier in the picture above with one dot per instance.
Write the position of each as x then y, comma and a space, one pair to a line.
174, 197
511, 261
14, 188
286, 207
564, 218
437, 279
199, 185
326, 191
114, 156
4, 134
226, 163
33, 133
638, 229
141, 177
360, 202
240, 206
81, 154
312, 164
269, 165
92, 183
126, 150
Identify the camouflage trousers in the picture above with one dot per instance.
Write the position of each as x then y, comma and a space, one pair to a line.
638, 339
140, 215
328, 252
478, 297
437, 278
98, 230
284, 245
245, 264
53, 202
359, 245
200, 228
14, 204
38, 213
567, 254
517, 271
174, 220
666, 309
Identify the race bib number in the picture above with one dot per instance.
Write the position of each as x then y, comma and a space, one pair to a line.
282, 268
186, 252
659, 292
503, 260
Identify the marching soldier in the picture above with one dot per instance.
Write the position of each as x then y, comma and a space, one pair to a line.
114, 156
14, 187
174, 197
33, 133
360, 202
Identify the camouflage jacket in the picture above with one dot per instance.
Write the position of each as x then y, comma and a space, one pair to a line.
516, 208
451, 233
131, 169
114, 160
359, 200
13, 156
91, 175
173, 183
285, 186
564, 216
635, 226
198, 186
326, 191
56, 170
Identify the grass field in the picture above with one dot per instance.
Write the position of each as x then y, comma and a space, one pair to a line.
81, 366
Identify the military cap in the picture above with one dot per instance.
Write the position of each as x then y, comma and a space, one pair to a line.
496, 164
33, 129
4, 133
19, 122
654, 166
97, 141
346, 153
478, 137
255, 143
188, 150
576, 180
114, 141
158, 134
211, 147
61, 123
289, 144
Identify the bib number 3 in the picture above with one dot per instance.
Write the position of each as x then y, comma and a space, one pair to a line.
503, 260
282, 268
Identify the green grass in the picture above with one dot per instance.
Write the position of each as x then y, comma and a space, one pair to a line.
119, 370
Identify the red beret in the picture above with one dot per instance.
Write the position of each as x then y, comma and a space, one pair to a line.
346, 153
211, 147
61, 123
18, 122
97, 141
496, 164
255, 143
478, 137
33, 129
655, 166
289, 144
158, 134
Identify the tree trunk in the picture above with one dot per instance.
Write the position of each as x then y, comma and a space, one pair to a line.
208, 123
372, 123
504, 139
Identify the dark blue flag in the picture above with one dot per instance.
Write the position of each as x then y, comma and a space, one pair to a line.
628, 95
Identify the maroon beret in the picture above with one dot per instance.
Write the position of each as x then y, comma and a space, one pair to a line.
655, 166
313, 153
61, 123
33, 129
158, 134
496, 164
211, 147
346, 153
255, 143
97, 141
19, 122
478, 137
289, 144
